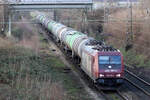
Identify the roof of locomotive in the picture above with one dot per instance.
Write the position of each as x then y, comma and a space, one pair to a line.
99, 45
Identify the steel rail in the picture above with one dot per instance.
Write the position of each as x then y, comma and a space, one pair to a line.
106, 95
122, 96
143, 90
145, 82
102, 93
139, 79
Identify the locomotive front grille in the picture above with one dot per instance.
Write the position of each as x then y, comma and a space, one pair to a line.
110, 81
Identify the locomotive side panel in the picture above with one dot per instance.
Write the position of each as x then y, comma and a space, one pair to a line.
87, 64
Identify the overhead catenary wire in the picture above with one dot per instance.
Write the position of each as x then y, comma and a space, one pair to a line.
78, 20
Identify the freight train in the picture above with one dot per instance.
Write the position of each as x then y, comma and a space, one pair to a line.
103, 64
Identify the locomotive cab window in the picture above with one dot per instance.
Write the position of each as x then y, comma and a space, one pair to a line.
114, 61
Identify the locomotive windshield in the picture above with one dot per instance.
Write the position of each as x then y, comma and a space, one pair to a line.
113, 61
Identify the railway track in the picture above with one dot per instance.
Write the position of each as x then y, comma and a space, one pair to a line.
139, 83
114, 95
111, 95
122, 96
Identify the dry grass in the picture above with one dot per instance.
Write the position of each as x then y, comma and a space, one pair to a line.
141, 31
26, 36
4, 43
24, 75
24, 70
27, 75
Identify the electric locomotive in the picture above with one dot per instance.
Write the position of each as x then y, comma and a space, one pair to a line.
102, 63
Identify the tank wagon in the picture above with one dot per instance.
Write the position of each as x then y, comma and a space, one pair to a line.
103, 64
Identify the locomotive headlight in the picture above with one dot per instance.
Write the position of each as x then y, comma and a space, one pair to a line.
118, 75
101, 75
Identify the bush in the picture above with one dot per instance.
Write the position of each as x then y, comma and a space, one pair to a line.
134, 59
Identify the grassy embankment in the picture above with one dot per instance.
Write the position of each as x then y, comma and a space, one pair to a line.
29, 72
